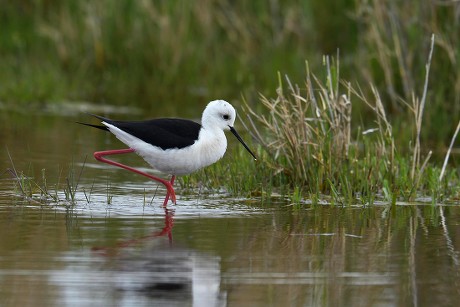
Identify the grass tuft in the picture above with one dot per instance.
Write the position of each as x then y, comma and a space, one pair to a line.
34, 191
311, 138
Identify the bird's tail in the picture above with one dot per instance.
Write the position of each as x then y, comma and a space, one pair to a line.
95, 126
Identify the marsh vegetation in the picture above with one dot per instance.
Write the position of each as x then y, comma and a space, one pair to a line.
375, 117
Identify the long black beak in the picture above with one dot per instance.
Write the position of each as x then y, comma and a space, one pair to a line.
242, 142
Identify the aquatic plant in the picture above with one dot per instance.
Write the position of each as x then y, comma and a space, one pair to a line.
40, 192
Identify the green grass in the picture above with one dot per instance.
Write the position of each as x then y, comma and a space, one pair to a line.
137, 52
40, 191
313, 148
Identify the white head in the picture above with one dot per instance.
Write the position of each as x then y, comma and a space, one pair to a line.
218, 114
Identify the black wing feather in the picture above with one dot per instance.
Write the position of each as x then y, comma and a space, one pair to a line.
165, 133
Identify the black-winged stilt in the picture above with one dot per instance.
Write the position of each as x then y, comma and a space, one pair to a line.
172, 145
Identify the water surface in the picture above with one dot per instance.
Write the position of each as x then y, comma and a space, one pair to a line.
117, 246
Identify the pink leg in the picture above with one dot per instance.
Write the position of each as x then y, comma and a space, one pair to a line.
168, 184
167, 193
167, 230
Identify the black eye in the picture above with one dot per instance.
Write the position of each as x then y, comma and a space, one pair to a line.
225, 116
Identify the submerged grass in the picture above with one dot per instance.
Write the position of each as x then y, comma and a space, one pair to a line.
40, 192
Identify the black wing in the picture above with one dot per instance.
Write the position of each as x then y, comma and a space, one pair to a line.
165, 133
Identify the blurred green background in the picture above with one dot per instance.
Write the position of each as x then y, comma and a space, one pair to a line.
174, 56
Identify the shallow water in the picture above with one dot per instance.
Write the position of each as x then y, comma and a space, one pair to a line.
210, 249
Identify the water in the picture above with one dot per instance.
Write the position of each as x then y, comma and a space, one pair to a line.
210, 249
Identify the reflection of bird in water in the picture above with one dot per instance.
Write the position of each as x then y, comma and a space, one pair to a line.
165, 275
169, 276
172, 145
165, 231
